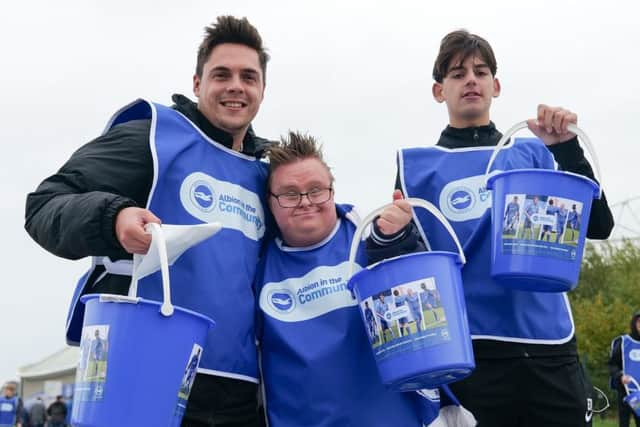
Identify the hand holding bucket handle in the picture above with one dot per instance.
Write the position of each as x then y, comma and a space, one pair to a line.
157, 236
572, 128
633, 380
413, 202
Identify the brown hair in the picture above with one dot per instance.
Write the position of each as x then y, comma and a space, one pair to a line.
297, 146
461, 44
229, 29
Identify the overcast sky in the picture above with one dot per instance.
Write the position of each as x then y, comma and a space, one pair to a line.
355, 74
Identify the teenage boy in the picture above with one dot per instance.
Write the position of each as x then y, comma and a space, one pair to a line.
527, 368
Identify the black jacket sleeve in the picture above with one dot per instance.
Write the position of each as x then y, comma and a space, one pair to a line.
615, 364
381, 247
72, 213
570, 157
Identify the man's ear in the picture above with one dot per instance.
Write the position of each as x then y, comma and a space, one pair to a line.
436, 91
496, 87
196, 85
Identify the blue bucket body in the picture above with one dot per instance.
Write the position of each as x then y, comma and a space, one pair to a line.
531, 264
146, 356
437, 355
633, 400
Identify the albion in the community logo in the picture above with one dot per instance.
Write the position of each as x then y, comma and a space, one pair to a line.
634, 355
282, 300
465, 199
461, 199
212, 200
203, 196
318, 292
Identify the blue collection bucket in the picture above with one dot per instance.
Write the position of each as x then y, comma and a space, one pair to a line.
539, 223
633, 397
419, 334
138, 358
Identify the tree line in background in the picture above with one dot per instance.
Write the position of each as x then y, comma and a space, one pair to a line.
603, 302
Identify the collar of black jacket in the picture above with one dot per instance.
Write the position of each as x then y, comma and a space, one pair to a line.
469, 137
252, 145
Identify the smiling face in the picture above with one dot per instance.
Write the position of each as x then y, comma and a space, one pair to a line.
467, 88
230, 89
306, 224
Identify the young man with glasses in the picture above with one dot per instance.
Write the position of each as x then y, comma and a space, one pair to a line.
316, 359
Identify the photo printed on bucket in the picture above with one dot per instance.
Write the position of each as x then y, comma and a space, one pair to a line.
188, 377
541, 225
405, 318
92, 366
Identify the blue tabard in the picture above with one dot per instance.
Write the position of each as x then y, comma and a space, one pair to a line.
630, 350
197, 180
317, 365
454, 181
8, 409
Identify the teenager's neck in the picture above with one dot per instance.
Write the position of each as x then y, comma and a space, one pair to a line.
463, 124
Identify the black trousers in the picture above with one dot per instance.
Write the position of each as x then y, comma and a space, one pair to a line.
624, 411
528, 392
222, 402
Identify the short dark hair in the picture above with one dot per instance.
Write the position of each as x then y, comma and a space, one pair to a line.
296, 146
462, 44
229, 29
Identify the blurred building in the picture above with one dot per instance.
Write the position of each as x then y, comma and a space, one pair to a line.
54, 375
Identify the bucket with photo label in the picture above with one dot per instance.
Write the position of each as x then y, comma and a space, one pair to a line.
414, 312
538, 246
138, 357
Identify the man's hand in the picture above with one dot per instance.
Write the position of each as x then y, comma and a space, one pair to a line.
551, 124
130, 230
395, 216
625, 379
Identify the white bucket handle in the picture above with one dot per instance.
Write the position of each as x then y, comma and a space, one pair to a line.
571, 127
156, 235
413, 202
606, 401
633, 380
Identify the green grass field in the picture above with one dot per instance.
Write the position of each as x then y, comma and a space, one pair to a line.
429, 319
96, 371
570, 237
607, 422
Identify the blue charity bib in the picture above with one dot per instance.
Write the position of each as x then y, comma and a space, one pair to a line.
317, 365
198, 180
630, 350
8, 409
454, 181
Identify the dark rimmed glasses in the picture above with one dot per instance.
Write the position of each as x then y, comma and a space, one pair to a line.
292, 199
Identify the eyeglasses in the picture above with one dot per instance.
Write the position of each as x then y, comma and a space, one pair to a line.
292, 199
